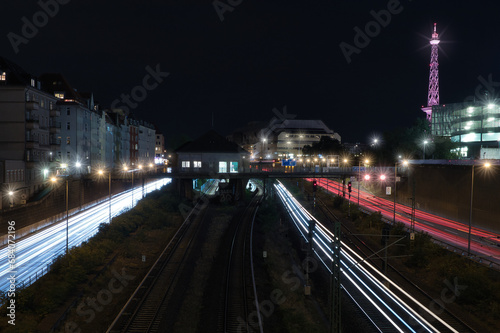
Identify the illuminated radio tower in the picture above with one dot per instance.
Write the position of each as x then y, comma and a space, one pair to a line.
433, 96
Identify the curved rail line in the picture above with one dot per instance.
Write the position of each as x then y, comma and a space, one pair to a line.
144, 310
237, 296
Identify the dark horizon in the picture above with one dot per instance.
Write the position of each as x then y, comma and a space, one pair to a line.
260, 57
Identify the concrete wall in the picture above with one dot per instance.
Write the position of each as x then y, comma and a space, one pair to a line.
445, 190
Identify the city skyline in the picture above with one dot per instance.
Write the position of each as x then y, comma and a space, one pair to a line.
240, 62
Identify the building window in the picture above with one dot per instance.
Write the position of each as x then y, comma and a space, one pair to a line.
68, 125
197, 164
59, 95
68, 140
185, 164
2, 76
222, 166
68, 111
233, 167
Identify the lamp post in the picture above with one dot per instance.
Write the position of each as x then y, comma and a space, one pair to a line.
359, 175
142, 179
11, 199
425, 143
487, 165
101, 172
125, 168
54, 180
263, 148
405, 163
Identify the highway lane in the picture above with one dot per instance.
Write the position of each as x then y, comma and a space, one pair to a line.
37, 251
388, 311
484, 243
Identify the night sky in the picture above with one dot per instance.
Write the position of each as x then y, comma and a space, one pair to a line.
263, 55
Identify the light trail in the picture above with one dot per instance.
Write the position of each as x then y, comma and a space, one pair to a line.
359, 274
484, 243
37, 251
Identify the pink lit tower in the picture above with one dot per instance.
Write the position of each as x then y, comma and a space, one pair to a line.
433, 96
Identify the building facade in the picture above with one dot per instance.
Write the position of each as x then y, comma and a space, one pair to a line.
286, 138
212, 153
29, 128
48, 128
472, 126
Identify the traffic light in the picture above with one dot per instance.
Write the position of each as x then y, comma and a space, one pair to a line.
315, 185
349, 187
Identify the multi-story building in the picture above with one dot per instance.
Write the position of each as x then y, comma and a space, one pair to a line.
146, 144
47, 127
159, 148
76, 122
287, 138
29, 129
475, 127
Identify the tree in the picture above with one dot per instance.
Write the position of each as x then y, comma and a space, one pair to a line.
326, 146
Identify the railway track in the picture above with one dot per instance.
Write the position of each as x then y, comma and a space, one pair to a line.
239, 291
146, 308
409, 287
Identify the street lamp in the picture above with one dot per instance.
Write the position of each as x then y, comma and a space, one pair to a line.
425, 143
264, 148
359, 175
142, 179
405, 163
486, 165
101, 172
54, 180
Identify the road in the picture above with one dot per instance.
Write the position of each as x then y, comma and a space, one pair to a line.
35, 253
389, 309
484, 243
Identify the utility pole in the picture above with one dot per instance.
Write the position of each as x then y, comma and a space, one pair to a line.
335, 318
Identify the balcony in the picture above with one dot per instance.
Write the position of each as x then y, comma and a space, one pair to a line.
32, 105
55, 127
55, 143
55, 113
32, 143
32, 122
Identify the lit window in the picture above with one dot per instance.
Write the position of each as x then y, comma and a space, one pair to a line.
185, 164
68, 140
2, 76
222, 166
233, 167
197, 164
59, 95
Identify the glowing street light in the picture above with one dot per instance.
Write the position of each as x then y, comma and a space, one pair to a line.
486, 165
359, 175
425, 143
101, 172
405, 163
54, 180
